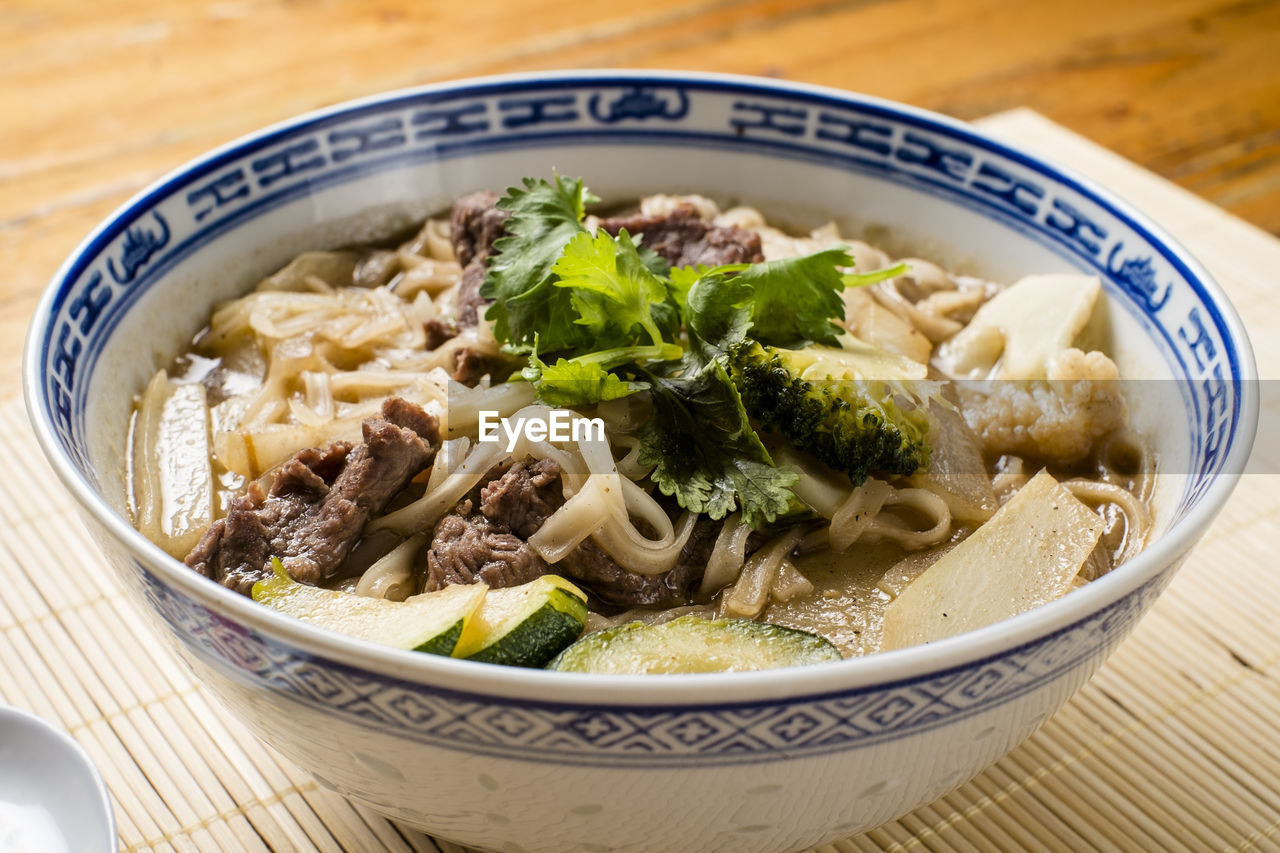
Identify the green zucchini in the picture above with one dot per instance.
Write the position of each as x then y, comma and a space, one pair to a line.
433, 622
524, 625
693, 644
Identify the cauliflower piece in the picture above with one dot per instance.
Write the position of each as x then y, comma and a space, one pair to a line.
1056, 419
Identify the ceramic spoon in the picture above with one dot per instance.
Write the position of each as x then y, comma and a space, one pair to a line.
51, 796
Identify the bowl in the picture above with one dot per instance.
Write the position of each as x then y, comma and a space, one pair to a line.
511, 759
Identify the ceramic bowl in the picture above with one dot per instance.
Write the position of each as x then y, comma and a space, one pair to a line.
512, 759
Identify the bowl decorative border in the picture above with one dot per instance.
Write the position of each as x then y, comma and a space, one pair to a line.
638, 736
182, 213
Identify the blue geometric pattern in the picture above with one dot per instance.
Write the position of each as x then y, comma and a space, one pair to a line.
454, 121
627, 735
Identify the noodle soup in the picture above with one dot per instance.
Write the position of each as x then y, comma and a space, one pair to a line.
800, 447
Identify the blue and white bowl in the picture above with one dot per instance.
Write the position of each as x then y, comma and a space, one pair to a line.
511, 759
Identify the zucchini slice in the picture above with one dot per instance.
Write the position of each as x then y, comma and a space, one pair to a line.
432, 622
525, 625
694, 644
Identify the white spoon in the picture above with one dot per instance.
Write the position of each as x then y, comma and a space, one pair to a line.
51, 796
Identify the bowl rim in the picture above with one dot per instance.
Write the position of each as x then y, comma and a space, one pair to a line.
878, 671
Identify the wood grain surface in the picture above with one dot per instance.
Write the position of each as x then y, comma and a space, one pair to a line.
99, 98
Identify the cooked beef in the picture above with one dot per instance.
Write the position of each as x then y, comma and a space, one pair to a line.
467, 547
491, 545
319, 501
619, 589
470, 304
523, 497
469, 365
474, 224
438, 331
683, 239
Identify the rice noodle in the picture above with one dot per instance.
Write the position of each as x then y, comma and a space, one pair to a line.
749, 595
581, 516
890, 528
629, 464
1137, 516
392, 576
789, 584
854, 515
727, 556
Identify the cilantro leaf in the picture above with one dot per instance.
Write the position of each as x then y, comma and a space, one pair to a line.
706, 454
717, 311
611, 289
543, 218
794, 300
577, 383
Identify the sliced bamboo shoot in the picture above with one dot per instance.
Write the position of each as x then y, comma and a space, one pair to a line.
1027, 554
173, 482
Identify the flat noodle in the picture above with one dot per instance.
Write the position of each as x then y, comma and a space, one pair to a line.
392, 576
749, 595
727, 556
1137, 516
932, 507
857, 512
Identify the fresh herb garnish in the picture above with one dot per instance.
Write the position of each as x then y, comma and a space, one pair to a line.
544, 217
705, 453
617, 322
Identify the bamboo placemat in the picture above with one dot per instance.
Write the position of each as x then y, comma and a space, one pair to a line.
1175, 744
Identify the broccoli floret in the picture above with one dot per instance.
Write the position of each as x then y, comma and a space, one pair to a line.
852, 408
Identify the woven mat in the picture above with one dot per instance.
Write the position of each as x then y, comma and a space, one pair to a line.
1174, 744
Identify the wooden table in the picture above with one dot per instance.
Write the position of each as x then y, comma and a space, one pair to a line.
100, 98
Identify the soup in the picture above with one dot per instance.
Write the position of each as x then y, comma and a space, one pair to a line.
675, 439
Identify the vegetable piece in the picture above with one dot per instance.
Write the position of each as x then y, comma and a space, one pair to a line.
1026, 554
616, 296
789, 303
570, 382
957, 472
692, 644
794, 300
432, 622
544, 218
841, 405
173, 482
525, 625
1014, 335
610, 313
705, 452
